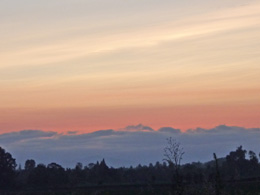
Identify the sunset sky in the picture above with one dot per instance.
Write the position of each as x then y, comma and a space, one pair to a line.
87, 65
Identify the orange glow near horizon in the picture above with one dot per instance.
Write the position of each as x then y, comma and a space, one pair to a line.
89, 120
88, 67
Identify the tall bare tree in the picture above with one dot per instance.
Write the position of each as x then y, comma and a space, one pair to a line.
173, 154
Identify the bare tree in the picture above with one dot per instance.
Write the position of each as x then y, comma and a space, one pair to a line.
173, 153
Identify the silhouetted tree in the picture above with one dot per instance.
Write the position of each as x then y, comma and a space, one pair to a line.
39, 176
79, 166
78, 175
56, 175
29, 165
253, 158
218, 184
236, 163
173, 153
7, 168
102, 171
253, 164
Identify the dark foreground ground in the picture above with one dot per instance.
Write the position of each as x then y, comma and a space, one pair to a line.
231, 188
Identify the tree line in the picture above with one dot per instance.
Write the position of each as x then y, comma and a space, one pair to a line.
239, 165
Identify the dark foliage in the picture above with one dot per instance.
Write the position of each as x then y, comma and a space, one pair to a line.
238, 172
7, 168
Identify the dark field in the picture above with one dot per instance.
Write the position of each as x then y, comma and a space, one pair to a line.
231, 188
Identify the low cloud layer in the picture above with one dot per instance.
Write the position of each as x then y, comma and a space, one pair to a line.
128, 146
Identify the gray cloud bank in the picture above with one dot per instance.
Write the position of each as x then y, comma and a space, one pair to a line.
129, 146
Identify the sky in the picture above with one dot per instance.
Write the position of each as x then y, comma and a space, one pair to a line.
90, 65
87, 65
129, 146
